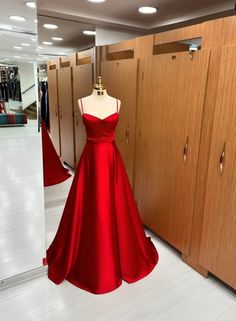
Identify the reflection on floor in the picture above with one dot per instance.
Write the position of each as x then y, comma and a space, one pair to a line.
172, 292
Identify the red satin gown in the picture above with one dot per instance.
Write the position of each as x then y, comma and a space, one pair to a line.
100, 239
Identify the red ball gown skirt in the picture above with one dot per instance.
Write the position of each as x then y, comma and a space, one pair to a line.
100, 239
53, 170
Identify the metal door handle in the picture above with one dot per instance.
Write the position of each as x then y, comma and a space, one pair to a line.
222, 159
185, 153
127, 134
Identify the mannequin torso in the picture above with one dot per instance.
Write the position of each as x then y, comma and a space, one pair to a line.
100, 106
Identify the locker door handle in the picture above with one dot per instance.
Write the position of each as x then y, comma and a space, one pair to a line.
185, 153
222, 159
60, 110
127, 134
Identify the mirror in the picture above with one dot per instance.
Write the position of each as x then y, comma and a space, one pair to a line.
22, 227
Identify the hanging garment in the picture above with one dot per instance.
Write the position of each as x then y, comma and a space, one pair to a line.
53, 170
44, 103
100, 239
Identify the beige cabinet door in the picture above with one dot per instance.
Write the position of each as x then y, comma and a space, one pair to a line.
170, 109
53, 109
82, 87
120, 80
218, 242
66, 115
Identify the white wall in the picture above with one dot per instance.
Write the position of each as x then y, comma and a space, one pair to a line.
27, 79
108, 36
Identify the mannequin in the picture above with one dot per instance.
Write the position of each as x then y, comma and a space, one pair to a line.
99, 103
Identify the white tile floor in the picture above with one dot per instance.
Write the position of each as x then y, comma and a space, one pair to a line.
172, 292
22, 227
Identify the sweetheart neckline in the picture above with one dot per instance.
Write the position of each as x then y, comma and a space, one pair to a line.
101, 118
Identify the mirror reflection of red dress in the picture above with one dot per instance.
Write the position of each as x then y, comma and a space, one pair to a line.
53, 170
100, 240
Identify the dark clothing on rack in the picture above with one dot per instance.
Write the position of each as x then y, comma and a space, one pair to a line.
45, 103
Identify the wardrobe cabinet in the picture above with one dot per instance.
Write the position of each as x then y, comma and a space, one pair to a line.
170, 109
218, 241
82, 87
66, 114
120, 80
54, 111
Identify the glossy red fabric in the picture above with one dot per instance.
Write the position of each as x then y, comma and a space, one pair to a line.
100, 239
53, 170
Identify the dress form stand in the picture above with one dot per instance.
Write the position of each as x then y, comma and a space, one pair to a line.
99, 103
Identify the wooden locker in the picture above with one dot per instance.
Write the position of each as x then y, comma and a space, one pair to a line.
120, 80
53, 109
66, 115
82, 87
169, 117
218, 242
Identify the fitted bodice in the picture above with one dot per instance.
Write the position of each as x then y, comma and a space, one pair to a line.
100, 130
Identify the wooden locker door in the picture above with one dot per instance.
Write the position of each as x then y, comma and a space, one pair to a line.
169, 117
120, 80
82, 87
66, 115
53, 109
218, 242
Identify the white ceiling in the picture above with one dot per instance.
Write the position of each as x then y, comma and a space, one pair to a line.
124, 13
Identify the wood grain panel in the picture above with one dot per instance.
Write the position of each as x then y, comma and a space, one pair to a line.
170, 107
82, 87
121, 46
143, 46
189, 32
120, 79
218, 243
53, 109
66, 115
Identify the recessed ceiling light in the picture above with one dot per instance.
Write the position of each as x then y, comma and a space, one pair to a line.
97, 1
17, 57
147, 10
36, 20
17, 18
37, 49
17, 47
33, 39
50, 26
40, 47
25, 44
6, 27
89, 32
47, 43
57, 38
31, 4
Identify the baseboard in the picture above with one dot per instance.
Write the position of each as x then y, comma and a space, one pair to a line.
23, 277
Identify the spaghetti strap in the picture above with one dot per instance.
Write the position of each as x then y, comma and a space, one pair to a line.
82, 106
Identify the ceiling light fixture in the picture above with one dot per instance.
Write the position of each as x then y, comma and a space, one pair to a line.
31, 4
6, 27
47, 43
25, 44
57, 38
17, 47
33, 39
97, 1
147, 10
89, 32
17, 57
17, 18
50, 26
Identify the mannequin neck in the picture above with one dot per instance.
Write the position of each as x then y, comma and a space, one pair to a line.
96, 94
